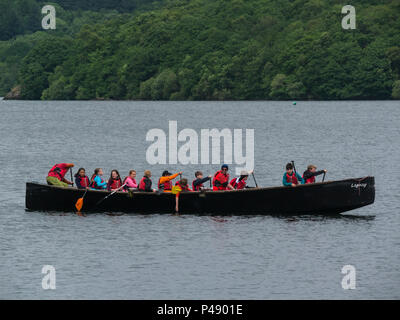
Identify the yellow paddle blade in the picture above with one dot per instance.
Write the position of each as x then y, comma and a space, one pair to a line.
79, 204
176, 189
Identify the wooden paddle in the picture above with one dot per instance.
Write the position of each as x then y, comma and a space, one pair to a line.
255, 181
72, 179
294, 167
110, 195
323, 178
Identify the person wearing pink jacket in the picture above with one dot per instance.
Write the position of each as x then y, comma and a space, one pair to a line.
129, 181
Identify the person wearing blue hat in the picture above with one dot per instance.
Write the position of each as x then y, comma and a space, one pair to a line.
221, 179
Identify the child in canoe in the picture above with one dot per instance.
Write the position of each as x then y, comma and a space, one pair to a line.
81, 179
130, 181
183, 185
115, 181
97, 181
145, 183
165, 182
291, 178
240, 182
197, 184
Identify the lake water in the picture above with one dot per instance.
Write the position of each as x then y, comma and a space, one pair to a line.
192, 257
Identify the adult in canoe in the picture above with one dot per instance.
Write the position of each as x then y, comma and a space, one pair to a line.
291, 178
221, 179
311, 172
165, 182
56, 175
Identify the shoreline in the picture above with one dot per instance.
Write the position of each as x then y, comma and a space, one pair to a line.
256, 100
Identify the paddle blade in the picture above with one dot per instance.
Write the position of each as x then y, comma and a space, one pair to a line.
79, 204
176, 189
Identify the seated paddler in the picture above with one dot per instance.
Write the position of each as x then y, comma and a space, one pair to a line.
291, 178
130, 181
240, 182
197, 184
221, 179
146, 183
81, 179
311, 172
115, 181
97, 182
56, 175
165, 182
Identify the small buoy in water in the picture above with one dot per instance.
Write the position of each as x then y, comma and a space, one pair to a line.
294, 103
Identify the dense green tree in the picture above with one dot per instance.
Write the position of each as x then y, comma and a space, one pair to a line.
39, 64
120, 5
393, 55
211, 49
18, 17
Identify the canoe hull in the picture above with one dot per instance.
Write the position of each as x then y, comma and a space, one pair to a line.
320, 198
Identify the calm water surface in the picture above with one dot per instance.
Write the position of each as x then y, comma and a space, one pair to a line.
191, 257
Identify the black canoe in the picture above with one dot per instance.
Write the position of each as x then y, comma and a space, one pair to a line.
330, 197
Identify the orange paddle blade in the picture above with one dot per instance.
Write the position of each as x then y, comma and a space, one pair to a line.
79, 204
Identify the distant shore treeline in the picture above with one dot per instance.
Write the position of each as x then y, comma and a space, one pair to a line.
205, 49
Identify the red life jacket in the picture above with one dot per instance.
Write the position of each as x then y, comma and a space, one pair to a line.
115, 184
142, 183
83, 181
198, 187
310, 180
292, 178
222, 179
57, 172
186, 188
165, 186
238, 185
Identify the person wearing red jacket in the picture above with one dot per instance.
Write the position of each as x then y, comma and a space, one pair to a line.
56, 175
221, 179
145, 183
240, 182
